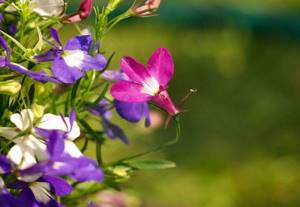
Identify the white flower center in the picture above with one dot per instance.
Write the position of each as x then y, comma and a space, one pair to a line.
58, 165
150, 86
74, 58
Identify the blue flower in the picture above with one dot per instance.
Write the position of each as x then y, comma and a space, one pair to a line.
71, 61
133, 112
113, 131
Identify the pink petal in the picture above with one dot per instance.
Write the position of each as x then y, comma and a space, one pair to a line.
129, 92
134, 70
164, 101
161, 66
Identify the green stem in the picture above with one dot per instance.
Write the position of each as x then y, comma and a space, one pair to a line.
99, 153
167, 144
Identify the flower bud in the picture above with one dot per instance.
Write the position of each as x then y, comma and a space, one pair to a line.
112, 5
10, 87
147, 9
121, 171
84, 11
38, 110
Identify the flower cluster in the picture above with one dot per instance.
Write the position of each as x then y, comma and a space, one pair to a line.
55, 97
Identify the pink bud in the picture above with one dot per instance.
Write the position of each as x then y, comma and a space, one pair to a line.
83, 12
147, 9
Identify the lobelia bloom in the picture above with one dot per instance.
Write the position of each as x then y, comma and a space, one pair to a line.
71, 61
84, 11
40, 76
59, 163
31, 132
44, 179
147, 83
132, 112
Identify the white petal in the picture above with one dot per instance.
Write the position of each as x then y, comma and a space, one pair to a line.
22, 156
30, 178
8, 132
48, 7
23, 120
2, 184
54, 122
38, 147
72, 149
40, 191
27, 151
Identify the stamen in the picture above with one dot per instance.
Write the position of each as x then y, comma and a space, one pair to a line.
185, 98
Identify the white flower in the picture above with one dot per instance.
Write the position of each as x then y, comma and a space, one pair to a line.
44, 7
30, 148
48, 7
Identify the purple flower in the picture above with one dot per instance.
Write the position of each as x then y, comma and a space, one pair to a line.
38, 183
147, 84
5, 165
113, 131
7, 200
40, 76
35, 187
71, 61
28, 197
60, 163
13, 29
133, 112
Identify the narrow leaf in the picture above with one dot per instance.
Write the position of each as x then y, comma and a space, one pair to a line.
150, 164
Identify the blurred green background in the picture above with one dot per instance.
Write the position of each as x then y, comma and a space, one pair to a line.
240, 143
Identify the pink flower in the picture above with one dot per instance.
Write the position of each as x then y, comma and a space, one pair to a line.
147, 83
83, 12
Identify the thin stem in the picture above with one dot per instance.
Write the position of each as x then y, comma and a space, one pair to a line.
167, 144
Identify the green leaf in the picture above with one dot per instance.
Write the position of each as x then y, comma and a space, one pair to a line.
39, 46
31, 94
14, 41
74, 94
150, 164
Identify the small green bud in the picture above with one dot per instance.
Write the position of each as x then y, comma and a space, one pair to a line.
10, 87
112, 5
121, 171
38, 110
